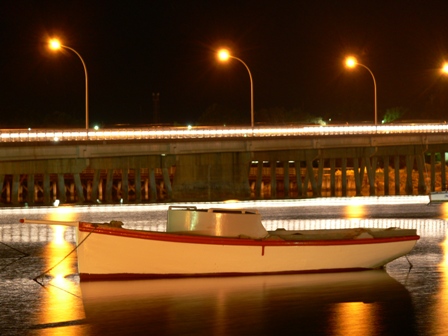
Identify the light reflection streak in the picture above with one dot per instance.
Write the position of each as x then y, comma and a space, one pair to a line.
58, 235
441, 321
444, 210
354, 211
62, 302
355, 318
65, 214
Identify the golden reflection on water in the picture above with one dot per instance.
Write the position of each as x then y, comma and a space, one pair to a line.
442, 305
63, 214
354, 318
62, 302
355, 210
444, 210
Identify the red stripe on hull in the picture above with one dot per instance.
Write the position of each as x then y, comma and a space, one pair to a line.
132, 276
194, 239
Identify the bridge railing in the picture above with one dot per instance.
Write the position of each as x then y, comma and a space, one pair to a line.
46, 135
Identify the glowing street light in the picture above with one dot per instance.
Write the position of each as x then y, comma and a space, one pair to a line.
223, 56
351, 62
54, 44
445, 68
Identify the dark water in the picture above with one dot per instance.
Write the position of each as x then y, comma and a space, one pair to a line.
394, 301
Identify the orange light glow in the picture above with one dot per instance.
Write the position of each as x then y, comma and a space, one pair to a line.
61, 302
444, 263
351, 62
441, 298
58, 235
444, 210
445, 68
355, 210
223, 55
348, 312
63, 214
54, 44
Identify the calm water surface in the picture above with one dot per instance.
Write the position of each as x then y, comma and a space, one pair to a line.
394, 301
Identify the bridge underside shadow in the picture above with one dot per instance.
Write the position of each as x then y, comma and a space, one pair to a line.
243, 175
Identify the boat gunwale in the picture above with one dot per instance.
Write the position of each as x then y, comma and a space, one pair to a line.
231, 241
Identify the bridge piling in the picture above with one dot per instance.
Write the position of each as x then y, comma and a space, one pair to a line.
332, 177
280, 182
386, 174
443, 170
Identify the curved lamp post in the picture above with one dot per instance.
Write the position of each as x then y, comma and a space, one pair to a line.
224, 55
351, 62
56, 45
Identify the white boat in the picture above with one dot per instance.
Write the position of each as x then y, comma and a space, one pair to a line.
223, 242
438, 196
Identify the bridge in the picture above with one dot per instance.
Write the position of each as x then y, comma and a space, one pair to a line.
162, 164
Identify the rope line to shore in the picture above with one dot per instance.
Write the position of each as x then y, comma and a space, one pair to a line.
16, 260
17, 250
51, 268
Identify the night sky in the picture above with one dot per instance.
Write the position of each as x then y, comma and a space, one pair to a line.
294, 50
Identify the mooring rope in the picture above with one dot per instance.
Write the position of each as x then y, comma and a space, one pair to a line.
51, 268
16, 260
60, 288
13, 248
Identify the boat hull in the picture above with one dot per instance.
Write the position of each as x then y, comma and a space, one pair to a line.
116, 253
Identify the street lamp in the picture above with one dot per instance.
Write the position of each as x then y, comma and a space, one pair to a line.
54, 44
351, 62
223, 56
445, 68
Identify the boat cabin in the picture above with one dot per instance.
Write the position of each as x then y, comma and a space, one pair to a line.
216, 222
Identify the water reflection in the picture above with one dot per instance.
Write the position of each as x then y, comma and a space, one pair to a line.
441, 321
343, 303
444, 210
66, 213
302, 304
62, 304
355, 210
348, 312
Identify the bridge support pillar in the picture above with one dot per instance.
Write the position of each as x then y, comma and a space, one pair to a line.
299, 179
397, 174
443, 169
273, 179
386, 175
332, 177
138, 185
79, 188
258, 183
409, 165
15, 189
62, 189
31, 189
421, 175
344, 176
286, 179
